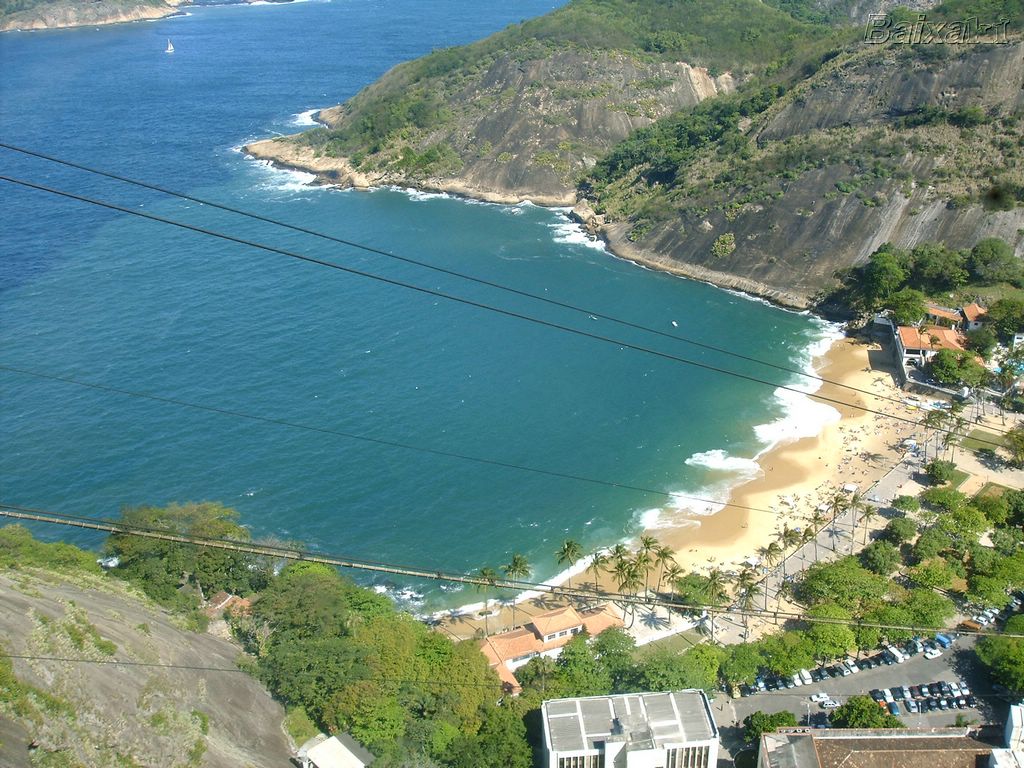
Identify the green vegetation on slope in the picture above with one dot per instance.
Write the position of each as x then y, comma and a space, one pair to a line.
736, 35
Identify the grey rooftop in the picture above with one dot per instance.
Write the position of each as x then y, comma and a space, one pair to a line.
642, 720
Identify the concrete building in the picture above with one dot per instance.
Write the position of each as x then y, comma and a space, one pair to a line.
340, 751
872, 748
635, 730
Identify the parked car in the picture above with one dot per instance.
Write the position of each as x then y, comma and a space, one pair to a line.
961, 703
894, 708
876, 694
816, 676
943, 704
911, 706
954, 689
964, 690
805, 677
932, 653
906, 692
829, 704
915, 692
887, 695
972, 701
896, 693
819, 697
933, 704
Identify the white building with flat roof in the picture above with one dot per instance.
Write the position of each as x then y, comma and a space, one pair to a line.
633, 730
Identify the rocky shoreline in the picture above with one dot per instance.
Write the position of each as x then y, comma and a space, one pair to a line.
338, 171
68, 15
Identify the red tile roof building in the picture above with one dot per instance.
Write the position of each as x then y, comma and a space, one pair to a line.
544, 635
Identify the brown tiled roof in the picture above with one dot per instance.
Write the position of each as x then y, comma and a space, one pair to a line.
906, 752
921, 338
511, 645
600, 619
557, 620
936, 311
973, 311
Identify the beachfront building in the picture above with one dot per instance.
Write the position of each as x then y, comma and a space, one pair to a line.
872, 748
633, 730
916, 346
545, 635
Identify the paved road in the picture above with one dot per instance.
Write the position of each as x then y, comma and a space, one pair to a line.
958, 663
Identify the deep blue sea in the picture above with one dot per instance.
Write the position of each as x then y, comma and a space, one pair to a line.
106, 298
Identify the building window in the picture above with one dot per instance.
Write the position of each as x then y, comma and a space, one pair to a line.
582, 761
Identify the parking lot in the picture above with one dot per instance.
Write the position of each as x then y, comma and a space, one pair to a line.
954, 665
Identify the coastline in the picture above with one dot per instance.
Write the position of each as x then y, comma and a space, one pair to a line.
88, 15
797, 476
794, 478
338, 171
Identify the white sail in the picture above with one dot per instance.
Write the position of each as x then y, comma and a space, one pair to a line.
170, 48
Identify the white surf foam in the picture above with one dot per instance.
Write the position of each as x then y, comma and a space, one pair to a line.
287, 180
802, 416
568, 232
303, 119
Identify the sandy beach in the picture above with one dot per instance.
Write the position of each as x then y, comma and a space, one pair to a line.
795, 477
798, 476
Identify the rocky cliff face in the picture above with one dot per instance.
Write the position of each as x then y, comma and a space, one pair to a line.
520, 128
59, 14
850, 175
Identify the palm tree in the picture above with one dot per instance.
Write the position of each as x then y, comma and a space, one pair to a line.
627, 578
598, 561
619, 552
856, 504
816, 520
868, 513
516, 568
490, 578
837, 505
715, 584
788, 538
952, 438
642, 565
569, 552
934, 420
643, 556
745, 599
672, 573
771, 553
663, 556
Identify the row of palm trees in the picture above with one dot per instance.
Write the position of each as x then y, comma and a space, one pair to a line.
632, 570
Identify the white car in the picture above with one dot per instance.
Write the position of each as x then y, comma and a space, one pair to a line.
932, 653
852, 666
829, 704
820, 698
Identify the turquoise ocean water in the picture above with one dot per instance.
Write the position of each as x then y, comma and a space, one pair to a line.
121, 302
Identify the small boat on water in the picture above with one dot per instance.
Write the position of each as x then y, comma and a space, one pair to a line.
170, 48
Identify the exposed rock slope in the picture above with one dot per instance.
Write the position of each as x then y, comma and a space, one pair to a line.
837, 167
150, 715
520, 129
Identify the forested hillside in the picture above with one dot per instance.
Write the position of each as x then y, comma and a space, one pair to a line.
762, 147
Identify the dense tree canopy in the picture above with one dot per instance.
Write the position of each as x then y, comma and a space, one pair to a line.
1004, 656
162, 567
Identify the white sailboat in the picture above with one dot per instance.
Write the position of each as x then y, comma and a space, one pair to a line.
170, 48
